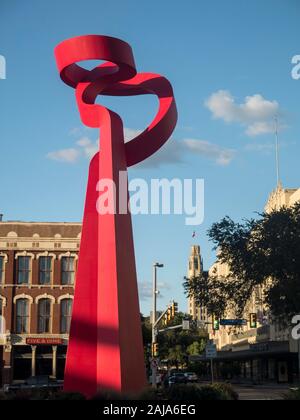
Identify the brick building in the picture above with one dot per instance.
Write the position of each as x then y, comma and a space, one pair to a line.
37, 272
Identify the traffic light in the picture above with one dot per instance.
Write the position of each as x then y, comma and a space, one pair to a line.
253, 321
174, 308
215, 323
154, 349
165, 319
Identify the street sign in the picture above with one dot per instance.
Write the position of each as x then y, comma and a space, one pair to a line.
154, 363
211, 351
233, 322
185, 325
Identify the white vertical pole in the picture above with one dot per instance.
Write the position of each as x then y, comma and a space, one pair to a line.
153, 365
277, 151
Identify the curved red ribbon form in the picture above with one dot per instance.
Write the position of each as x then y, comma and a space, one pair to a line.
105, 347
116, 77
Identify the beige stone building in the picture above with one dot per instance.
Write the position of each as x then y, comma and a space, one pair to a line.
267, 352
195, 267
281, 197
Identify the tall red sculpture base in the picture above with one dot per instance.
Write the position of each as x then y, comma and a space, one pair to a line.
105, 348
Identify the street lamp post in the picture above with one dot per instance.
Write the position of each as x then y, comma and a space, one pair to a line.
154, 330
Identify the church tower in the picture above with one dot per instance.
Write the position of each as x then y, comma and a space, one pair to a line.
195, 267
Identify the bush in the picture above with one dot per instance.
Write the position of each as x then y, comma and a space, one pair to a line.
151, 394
227, 390
109, 395
216, 392
182, 392
292, 395
3, 396
64, 396
210, 393
27, 395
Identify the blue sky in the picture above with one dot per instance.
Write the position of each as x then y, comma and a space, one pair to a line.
230, 66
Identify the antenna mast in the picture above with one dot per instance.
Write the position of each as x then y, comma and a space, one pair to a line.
277, 151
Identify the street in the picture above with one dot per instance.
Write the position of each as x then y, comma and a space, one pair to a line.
261, 393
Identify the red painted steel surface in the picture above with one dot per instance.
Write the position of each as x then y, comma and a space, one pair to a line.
105, 348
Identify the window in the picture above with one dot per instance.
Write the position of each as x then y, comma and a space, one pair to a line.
45, 270
22, 319
44, 316
66, 314
67, 270
1, 269
23, 270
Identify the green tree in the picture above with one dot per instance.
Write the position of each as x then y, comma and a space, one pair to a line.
262, 252
176, 342
177, 355
196, 348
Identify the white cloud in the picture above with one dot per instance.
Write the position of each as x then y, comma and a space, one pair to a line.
64, 155
261, 127
130, 133
204, 148
175, 151
145, 289
263, 147
172, 152
256, 113
88, 147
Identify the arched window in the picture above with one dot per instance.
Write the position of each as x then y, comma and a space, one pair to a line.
23, 269
67, 270
44, 316
66, 314
22, 316
45, 270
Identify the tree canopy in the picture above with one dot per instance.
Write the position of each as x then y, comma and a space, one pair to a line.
258, 252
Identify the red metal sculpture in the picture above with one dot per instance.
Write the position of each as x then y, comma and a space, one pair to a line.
105, 348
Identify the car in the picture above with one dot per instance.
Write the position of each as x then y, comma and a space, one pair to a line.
191, 376
177, 378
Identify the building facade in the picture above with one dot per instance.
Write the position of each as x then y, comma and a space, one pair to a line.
281, 197
267, 352
38, 264
195, 268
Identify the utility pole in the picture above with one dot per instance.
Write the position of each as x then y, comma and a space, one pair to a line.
154, 330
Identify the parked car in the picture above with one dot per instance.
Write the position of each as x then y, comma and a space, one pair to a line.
177, 378
36, 382
191, 376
